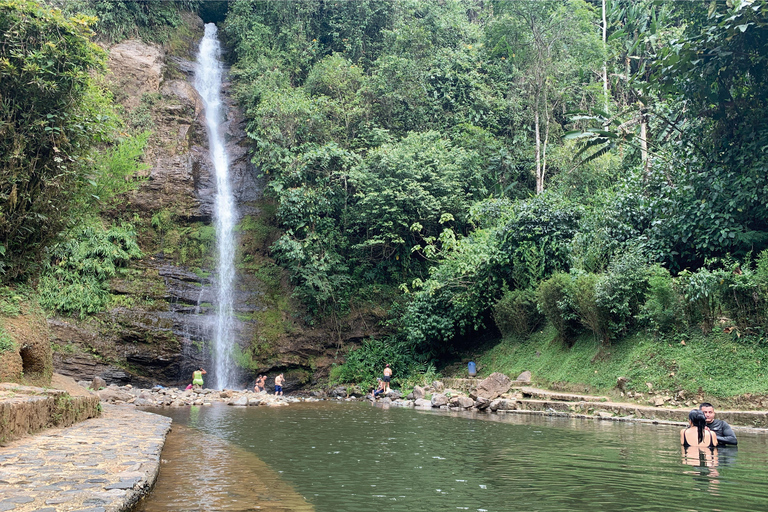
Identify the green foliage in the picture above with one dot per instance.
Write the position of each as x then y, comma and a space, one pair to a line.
516, 312
75, 281
50, 115
10, 300
621, 292
717, 365
365, 363
115, 170
6, 341
662, 311
554, 302
151, 20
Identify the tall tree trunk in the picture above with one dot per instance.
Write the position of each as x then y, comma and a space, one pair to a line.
644, 142
605, 64
537, 130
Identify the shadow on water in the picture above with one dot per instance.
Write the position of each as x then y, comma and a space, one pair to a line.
355, 457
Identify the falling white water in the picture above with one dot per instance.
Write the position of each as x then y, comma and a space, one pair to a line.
208, 84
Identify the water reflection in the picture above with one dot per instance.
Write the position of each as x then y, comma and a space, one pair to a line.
352, 457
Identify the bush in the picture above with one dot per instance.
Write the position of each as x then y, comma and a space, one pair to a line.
365, 363
552, 299
662, 311
76, 278
699, 290
583, 295
622, 291
516, 312
741, 293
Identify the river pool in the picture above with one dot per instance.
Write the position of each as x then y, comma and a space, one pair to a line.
358, 457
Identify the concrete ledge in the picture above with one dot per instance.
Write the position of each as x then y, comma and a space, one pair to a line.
101, 464
613, 410
25, 410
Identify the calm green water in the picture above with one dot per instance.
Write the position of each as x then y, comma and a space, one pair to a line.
359, 457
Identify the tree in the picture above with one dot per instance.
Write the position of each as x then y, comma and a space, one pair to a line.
50, 114
553, 49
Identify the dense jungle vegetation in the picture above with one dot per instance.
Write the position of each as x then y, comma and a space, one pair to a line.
476, 167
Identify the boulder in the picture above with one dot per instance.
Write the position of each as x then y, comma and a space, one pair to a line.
465, 402
98, 383
227, 393
420, 402
418, 392
438, 386
385, 400
113, 394
494, 404
410, 396
356, 392
482, 403
254, 401
494, 386
439, 400
394, 395
524, 377
621, 383
242, 400
506, 405
339, 392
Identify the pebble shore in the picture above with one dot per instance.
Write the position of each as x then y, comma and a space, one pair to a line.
102, 464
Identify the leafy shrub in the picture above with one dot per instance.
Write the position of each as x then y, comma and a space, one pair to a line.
51, 114
742, 293
699, 290
622, 291
583, 294
552, 299
516, 312
365, 363
662, 311
76, 278
6, 342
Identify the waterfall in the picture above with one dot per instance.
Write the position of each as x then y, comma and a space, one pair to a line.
208, 85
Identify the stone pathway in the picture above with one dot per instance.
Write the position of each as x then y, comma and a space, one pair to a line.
98, 465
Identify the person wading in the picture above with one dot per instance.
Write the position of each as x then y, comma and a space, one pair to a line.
722, 430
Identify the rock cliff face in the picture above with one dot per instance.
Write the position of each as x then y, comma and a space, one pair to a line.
159, 332
162, 339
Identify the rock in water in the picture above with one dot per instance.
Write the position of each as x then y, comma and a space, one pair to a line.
418, 392
439, 400
465, 402
494, 386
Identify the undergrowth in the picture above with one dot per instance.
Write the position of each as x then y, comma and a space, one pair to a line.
715, 365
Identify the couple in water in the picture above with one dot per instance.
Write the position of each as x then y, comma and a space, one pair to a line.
702, 438
704, 431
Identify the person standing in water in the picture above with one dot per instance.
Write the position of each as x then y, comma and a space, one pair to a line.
197, 378
697, 435
722, 430
387, 377
279, 380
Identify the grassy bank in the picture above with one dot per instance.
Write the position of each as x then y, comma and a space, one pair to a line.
718, 366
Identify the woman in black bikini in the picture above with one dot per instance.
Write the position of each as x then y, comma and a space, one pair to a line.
697, 435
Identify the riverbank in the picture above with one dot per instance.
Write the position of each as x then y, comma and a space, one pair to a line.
101, 464
719, 367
